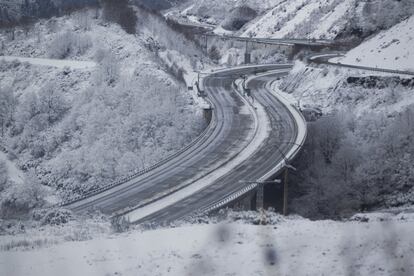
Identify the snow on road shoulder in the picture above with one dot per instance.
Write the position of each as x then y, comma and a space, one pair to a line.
390, 49
58, 63
293, 246
257, 136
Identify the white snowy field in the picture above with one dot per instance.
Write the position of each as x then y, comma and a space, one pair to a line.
292, 246
390, 49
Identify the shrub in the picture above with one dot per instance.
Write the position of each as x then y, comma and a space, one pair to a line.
108, 71
18, 200
56, 217
120, 224
69, 43
3, 175
214, 53
238, 18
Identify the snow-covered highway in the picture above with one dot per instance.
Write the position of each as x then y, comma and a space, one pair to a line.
267, 161
243, 142
233, 148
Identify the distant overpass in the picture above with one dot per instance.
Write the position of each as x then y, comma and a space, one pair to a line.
278, 41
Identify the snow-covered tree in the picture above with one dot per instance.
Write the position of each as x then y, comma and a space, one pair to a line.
18, 199
7, 106
108, 71
69, 43
329, 136
52, 102
3, 175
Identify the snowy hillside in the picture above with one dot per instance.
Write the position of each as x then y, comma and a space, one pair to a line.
12, 11
215, 11
12, 172
99, 123
327, 19
369, 163
382, 245
390, 49
303, 18
98, 94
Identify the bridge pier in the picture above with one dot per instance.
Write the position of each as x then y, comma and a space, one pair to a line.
247, 58
248, 203
247, 54
260, 197
208, 114
252, 202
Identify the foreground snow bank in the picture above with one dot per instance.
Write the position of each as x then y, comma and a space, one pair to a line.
293, 246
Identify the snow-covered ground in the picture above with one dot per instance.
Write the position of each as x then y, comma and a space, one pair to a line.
292, 246
320, 19
302, 18
390, 49
326, 87
214, 11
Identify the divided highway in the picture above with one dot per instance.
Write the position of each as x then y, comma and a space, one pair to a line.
267, 161
198, 169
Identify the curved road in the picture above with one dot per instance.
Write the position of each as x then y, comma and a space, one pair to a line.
271, 153
231, 131
325, 59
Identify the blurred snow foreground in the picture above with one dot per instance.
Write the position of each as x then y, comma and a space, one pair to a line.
374, 244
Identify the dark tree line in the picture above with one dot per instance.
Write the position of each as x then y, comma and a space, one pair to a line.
11, 15
120, 12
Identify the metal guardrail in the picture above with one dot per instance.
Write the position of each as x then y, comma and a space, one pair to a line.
234, 196
383, 70
94, 192
210, 127
320, 59
212, 74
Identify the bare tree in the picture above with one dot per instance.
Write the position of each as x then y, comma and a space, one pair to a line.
7, 105
329, 130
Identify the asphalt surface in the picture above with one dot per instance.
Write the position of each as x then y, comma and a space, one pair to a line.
271, 153
225, 138
228, 134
